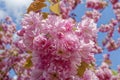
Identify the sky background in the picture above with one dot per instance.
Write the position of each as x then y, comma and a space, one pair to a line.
17, 8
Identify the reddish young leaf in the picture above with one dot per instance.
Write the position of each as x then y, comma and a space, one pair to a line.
36, 6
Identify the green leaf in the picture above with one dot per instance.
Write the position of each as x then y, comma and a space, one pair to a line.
114, 72
28, 63
45, 15
29, 51
1, 28
55, 8
81, 69
52, 2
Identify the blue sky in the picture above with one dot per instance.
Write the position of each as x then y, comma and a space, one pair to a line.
16, 9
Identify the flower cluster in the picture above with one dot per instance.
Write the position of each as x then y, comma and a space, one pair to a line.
95, 15
66, 6
116, 8
7, 30
7, 52
11, 57
58, 45
104, 72
96, 4
109, 28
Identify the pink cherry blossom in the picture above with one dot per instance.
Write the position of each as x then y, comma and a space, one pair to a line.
56, 42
